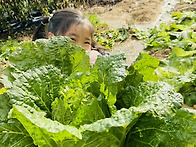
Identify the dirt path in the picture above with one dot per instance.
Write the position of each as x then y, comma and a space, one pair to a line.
129, 12
143, 14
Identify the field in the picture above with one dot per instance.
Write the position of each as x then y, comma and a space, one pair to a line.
142, 94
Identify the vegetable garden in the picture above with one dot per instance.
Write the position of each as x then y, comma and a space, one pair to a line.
52, 96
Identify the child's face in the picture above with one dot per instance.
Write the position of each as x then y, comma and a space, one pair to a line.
80, 35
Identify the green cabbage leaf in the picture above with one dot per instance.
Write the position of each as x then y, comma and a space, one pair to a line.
54, 97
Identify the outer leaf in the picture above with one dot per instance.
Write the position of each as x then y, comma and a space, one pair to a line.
46, 132
112, 131
146, 65
159, 97
153, 131
108, 71
57, 51
182, 53
148, 131
179, 71
13, 134
37, 87
189, 92
183, 126
178, 80
183, 64
4, 107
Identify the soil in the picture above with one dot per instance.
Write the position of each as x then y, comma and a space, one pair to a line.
102, 2
161, 54
185, 6
128, 12
143, 14
121, 13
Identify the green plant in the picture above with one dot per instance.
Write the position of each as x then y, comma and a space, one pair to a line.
22, 11
6, 48
55, 98
180, 33
179, 70
105, 36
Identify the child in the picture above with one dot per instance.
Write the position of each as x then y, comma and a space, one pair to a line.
73, 24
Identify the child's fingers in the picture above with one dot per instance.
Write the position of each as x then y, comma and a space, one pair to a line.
93, 56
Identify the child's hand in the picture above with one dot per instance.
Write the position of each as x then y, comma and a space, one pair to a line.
93, 56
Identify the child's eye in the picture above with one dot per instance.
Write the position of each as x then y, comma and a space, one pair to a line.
87, 43
73, 39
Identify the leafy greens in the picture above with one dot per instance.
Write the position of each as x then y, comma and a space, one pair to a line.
55, 98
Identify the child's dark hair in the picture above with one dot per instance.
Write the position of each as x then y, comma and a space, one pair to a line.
60, 22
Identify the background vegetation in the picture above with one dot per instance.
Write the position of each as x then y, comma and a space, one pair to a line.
14, 13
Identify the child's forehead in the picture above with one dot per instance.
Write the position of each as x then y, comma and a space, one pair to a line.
80, 27
81, 30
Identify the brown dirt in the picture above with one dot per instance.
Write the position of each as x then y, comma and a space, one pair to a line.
20, 36
185, 106
103, 2
185, 7
125, 14
161, 54
128, 12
